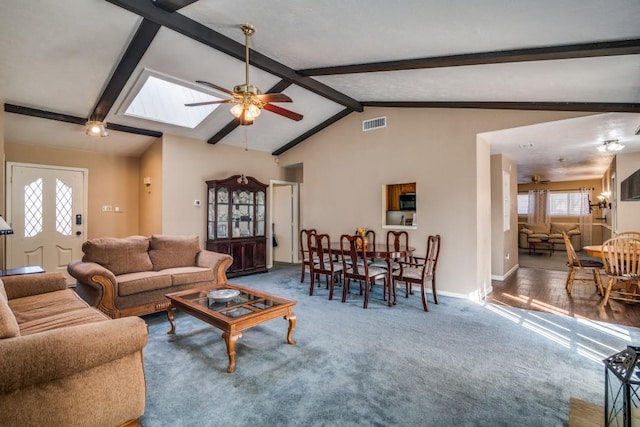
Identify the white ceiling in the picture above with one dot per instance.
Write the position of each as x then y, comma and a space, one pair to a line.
59, 57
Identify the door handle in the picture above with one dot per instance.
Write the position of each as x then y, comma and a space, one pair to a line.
78, 233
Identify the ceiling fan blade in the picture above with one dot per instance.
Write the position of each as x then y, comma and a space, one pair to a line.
197, 104
216, 87
274, 97
283, 112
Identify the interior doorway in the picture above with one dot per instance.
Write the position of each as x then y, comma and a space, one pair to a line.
283, 214
46, 208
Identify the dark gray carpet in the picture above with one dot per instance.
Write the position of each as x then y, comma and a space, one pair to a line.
462, 364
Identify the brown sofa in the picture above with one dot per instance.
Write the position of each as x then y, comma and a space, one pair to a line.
63, 362
130, 276
551, 232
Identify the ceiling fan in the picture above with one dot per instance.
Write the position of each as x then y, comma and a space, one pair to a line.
248, 99
535, 179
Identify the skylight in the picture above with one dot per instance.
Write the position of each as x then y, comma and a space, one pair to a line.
163, 101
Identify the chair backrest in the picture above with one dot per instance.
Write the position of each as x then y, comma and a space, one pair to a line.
431, 258
370, 235
352, 248
572, 257
634, 234
320, 254
397, 240
304, 242
621, 256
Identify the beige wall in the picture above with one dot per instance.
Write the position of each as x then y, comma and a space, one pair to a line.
628, 213
113, 181
2, 179
345, 168
150, 220
188, 163
504, 246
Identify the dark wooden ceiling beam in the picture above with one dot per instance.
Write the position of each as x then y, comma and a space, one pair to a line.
82, 121
134, 53
234, 123
207, 36
596, 107
313, 131
584, 50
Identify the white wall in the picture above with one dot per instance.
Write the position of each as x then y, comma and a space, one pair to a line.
628, 213
504, 259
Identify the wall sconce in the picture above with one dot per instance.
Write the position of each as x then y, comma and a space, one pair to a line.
96, 128
602, 203
4, 227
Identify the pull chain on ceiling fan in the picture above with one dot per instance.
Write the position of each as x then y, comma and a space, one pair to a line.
248, 99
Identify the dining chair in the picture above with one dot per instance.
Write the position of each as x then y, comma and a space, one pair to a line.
577, 265
352, 248
304, 249
322, 262
621, 259
420, 271
634, 234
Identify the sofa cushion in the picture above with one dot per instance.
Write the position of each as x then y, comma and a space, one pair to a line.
186, 275
119, 256
135, 283
41, 306
8, 324
559, 228
539, 228
538, 236
80, 316
173, 251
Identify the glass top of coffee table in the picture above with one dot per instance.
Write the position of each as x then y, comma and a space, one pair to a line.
228, 300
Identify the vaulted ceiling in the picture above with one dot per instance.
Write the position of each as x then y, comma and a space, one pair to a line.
62, 63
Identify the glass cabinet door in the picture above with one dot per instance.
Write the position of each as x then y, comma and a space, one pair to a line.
243, 205
211, 214
222, 213
260, 213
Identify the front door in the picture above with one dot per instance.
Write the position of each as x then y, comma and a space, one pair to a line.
47, 213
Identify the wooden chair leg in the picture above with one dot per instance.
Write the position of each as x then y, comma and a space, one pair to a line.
598, 279
424, 297
345, 289
366, 294
302, 275
312, 279
433, 289
607, 292
332, 283
570, 278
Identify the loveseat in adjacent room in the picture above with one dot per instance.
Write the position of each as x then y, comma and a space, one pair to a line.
551, 232
130, 276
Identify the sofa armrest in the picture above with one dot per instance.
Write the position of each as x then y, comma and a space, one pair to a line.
103, 280
39, 358
217, 261
33, 284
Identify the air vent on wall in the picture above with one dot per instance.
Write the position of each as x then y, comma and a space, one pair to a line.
377, 123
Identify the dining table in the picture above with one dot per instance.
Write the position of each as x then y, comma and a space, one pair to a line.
593, 250
381, 251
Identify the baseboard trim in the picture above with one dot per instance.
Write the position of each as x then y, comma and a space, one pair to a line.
504, 277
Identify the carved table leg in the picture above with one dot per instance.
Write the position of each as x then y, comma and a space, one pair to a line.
291, 317
230, 339
170, 310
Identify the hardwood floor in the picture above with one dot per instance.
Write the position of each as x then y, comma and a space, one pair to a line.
544, 290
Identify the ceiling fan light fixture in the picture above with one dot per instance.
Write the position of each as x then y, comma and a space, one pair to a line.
96, 128
251, 111
611, 145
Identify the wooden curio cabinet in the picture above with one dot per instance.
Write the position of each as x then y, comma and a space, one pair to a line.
236, 222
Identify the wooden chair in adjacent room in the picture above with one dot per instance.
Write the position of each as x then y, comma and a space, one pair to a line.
352, 248
322, 262
621, 259
304, 249
578, 266
420, 271
633, 234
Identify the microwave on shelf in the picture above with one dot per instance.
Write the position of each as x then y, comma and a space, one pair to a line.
408, 202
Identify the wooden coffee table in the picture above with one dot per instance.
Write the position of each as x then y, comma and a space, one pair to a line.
250, 308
